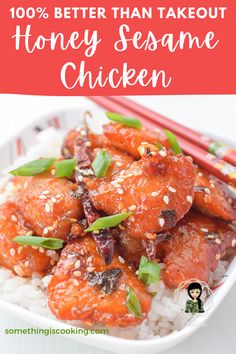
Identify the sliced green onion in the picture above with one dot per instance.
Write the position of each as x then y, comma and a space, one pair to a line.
148, 272
33, 168
65, 168
133, 303
127, 121
101, 163
173, 142
45, 242
108, 221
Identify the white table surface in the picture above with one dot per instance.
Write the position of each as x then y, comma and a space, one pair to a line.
213, 114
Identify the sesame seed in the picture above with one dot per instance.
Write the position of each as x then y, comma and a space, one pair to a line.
58, 196
171, 189
161, 222
14, 218
41, 250
50, 228
120, 191
42, 196
189, 199
29, 233
162, 152
34, 247
45, 231
218, 257
200, 174
83, 132
53, 172
144, 143
89, 260
45, 192
166, 199
90, 269
27, 264
80, 178
122, 261
132, 219
12, 252
77, 273
119, 164
47, 208
76, 283
52, 262
120, 180
53, 200
233, 242
88, 143
122, 227
20, 249
218, 241
211, 237
132, 207
25, 185
207, 191
142, 150
203, 229
154, 194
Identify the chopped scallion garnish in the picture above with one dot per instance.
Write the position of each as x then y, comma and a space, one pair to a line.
108, 221
65, 168
33, 168
127, 121
101, 163
133, 303
148, 271
37, 241
173, 142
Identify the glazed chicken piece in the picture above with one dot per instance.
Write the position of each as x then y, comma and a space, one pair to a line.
84, 288
214, 197
84, 146
157, 189
23, 260
128, 139
48, 204
93, 141
197, 244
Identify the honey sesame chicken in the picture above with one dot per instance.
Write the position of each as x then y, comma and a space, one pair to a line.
196, 245
159, 186
93, 141
84, 288
48, 204
214, 197
128, 139
23, 260
152, 195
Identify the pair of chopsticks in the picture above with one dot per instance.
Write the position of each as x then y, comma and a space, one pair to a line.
209, 154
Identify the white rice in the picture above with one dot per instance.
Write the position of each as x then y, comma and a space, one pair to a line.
167, 312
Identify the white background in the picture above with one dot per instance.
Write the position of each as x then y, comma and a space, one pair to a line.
215, 115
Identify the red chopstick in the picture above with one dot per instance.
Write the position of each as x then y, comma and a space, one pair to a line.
218, 149
211, 163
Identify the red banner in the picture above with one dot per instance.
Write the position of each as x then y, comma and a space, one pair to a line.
117, 47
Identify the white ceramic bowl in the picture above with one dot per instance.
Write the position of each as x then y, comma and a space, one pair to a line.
9, 152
